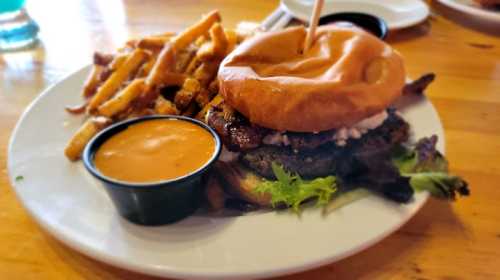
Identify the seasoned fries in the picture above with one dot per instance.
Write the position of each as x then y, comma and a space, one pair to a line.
232, 39
173, 79
165, 107
117, 62
168, 74
198, 29
189, 90
165, 63
166, 58
217, 47
77, 143
219, 41
115, 81
93, 81
122, 100
152, 43
206, 72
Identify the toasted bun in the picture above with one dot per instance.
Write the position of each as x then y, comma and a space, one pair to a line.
346, 76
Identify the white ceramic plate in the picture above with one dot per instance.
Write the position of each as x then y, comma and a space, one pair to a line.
71, 205
473, 9
397, 13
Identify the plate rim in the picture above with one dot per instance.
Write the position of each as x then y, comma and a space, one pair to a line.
164, 271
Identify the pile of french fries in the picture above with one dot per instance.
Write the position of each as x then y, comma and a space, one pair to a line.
170, 73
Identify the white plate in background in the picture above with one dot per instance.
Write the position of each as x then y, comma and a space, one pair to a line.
71, 205
471, 8
397, 13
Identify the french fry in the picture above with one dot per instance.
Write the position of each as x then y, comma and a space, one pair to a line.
203, 97
189, 35
122, 100
166, 59
185, 95
217, 47
232, 39
165, 34
201, 40
165, 107
76, 110
214, 102
173, 79
118, 61
133, 43
123, 115
130, 44
93, 81
206, 72
102, 59
140, 113
73, 150
219, 41
205, 52
147, 66
164, 63
152, 43
115, 81
183, 59
193, 64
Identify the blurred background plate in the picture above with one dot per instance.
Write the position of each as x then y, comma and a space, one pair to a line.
470, 8
397, 13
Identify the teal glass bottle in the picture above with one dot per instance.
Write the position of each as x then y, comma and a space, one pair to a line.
17, 29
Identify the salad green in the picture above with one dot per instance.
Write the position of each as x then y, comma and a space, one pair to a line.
396, 174
291, 190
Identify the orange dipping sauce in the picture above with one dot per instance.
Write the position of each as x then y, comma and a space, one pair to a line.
155, 150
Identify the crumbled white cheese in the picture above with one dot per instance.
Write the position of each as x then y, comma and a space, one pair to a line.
276, 138
341, 135
373, 121
360, 128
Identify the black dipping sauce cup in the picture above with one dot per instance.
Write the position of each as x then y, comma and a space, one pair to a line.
157, 203
370, 23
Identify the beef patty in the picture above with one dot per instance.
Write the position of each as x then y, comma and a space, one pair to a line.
307, 154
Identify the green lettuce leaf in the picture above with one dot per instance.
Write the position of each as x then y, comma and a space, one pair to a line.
422, 158
428, 170
292, 191
439, 184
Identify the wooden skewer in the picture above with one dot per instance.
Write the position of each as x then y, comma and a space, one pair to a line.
313, 23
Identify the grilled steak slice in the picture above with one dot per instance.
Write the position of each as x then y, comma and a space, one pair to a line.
310, 164
235, 131
328, 158
238, 134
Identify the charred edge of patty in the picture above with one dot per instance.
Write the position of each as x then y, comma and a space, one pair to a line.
235, 131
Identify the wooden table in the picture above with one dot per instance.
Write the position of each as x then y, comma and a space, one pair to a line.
443, 241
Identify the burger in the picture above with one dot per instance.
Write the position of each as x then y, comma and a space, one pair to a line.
320, 120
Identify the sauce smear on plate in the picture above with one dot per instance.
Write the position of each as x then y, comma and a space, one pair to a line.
155, 150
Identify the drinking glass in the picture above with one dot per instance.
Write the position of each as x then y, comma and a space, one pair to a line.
17, 29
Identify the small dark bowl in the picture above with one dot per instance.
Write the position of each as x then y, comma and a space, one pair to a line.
155, 203
370, 23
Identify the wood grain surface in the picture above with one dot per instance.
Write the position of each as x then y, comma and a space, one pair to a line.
443, 241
